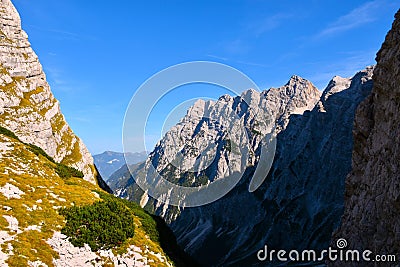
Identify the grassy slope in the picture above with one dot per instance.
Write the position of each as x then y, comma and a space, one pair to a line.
44, 193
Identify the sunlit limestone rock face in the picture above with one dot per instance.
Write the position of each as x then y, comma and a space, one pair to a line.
301, 200
27, 106
205, 145
372, 197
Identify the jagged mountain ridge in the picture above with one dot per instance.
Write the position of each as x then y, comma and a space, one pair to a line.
27, 105
312, 128
108, 162
302, 195
370, 219
209, 120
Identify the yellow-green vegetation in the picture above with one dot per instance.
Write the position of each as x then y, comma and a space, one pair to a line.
151, 232
3, 70
74, 156
25, 55
6, 132
61, 169
57, 123
68, 140
38, 90
26, 101
44, 191
49, 203
9, 88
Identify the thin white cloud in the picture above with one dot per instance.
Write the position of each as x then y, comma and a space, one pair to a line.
64, 35
359, 16
251, 63
217, 57
269, 23
56, 79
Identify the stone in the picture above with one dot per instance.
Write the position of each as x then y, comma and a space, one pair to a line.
27, 105
303, 191
372, 203
11, 191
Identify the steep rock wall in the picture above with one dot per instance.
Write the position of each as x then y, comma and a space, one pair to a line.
372, 197
27, 105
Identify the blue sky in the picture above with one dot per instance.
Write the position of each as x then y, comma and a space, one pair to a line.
97, 53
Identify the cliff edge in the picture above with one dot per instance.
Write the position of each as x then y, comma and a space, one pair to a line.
372, 196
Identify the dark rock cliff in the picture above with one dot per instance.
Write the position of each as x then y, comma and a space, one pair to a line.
372, 197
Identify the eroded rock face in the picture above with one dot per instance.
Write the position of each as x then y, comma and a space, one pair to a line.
372, 197
300, 202
221, 128
27, 106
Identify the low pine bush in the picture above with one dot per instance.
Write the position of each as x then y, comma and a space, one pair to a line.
102, 225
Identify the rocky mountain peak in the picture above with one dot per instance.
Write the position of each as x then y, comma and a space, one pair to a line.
27, 105
295, 79
297, 82
206, 126
296, 88
338, 84
295, 97
197, 110
226, 98
295, 198
352, 86
252, 97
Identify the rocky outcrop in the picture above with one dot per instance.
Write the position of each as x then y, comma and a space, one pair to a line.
300, 202
27, 106
71, 256
205, 145
372, 197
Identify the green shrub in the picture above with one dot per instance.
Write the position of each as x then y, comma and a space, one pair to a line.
157, 230
8, 133
148, 223
39, 151
62, 170
102, 225
65, 171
